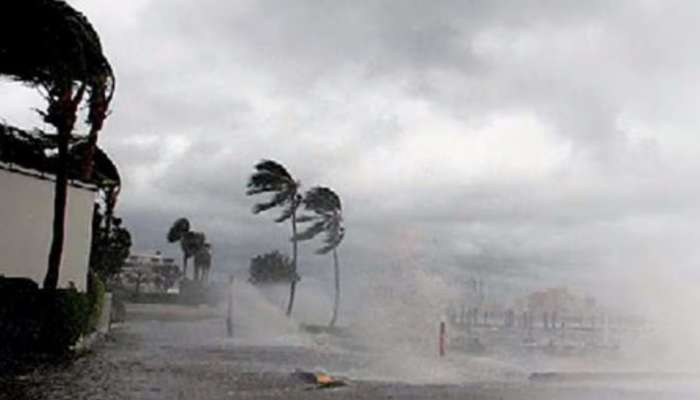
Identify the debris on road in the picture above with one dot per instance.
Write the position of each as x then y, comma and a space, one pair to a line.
320, 379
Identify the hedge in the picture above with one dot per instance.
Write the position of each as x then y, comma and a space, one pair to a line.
20, 324
65, 318
34, 320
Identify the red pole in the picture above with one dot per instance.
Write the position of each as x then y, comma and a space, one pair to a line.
441, 339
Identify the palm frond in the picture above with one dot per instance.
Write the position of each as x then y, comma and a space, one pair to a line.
311, 231
332, 241
286, 212
270, 176
277, 200
322, 200
178, 230
265, 182
327, 208
49, 44
306, 218
55, 42
273, 168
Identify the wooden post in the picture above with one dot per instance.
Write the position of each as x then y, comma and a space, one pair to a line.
229, 308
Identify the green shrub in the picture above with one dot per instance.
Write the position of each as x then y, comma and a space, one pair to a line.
34, 320
19, 320
65, 317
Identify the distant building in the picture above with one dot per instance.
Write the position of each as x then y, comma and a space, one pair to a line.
560, 301
552, 300
143, 271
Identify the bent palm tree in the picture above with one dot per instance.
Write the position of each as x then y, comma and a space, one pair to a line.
49, 45
190, 242
327, 218
272, 177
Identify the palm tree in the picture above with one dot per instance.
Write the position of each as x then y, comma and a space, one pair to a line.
190, 242
272, 177
49, 45
327, 217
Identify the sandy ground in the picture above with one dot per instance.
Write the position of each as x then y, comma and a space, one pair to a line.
174, 352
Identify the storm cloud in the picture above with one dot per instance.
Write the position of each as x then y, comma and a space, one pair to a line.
536, 143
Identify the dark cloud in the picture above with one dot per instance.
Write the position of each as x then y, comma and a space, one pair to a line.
535, 141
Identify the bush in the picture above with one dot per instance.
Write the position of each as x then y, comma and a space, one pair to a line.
272, 268
19, 321
34, 320
64, 318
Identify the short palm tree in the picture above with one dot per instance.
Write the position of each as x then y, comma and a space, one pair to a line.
49, 45
327, 218
272, 177
190, 242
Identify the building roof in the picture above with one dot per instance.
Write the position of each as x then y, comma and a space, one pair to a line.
35, 150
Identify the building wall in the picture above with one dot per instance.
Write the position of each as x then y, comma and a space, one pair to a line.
26, 217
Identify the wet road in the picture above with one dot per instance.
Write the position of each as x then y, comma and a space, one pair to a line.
182, 354
163, 357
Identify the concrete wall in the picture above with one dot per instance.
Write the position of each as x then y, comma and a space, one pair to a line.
26, 216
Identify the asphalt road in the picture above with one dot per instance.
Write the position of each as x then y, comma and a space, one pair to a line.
178, 353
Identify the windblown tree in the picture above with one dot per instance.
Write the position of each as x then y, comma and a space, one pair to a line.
271, 268
190, 241
110, 247
111, 242
326, 218
271, 177
49, 45
202, 263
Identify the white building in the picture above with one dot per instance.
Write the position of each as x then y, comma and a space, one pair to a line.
27, 163
26, 218
142, 269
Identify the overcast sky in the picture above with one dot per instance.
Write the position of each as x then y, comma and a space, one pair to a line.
536, 142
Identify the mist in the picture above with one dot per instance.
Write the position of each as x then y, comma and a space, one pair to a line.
529, 145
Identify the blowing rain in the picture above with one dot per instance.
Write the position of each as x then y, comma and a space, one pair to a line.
349, 200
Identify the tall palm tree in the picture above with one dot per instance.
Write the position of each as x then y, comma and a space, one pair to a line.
327, 218
49, 45
272, 177
191, 242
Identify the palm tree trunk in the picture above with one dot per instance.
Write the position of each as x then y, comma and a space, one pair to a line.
184, 264
97, 115
293, 285
59, 213
62, 115
336, 302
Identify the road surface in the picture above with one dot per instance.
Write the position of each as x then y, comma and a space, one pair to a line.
171, 352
